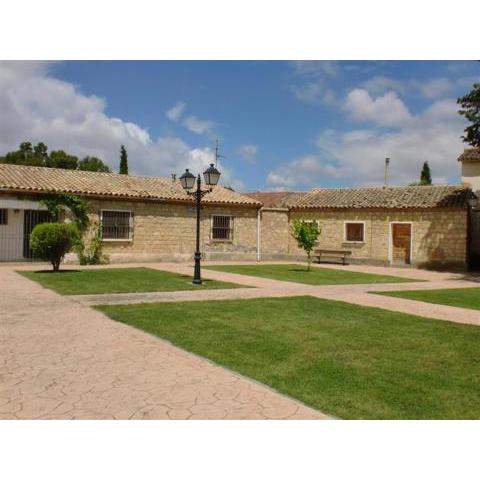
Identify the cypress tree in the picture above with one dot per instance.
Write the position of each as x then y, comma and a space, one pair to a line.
425, 176
123, 161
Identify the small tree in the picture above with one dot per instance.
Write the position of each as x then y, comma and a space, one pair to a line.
123, 161
306, 234
51, 241
425, 176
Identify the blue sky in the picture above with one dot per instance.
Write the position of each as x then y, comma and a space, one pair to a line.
282, 125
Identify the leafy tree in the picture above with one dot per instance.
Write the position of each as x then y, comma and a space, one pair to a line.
470, 104
61, 159
425, 176
77, 205
26, 148
51, 241
38, 156
123, 161
40, 150
306, 234
93, 164
27, 155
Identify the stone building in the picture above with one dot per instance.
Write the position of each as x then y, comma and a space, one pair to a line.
425, 226
470, 161
140, 218
151, 218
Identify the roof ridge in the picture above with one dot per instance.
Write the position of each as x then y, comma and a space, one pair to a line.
317, 189
87, 172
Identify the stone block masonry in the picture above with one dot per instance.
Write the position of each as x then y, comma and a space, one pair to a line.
166, 231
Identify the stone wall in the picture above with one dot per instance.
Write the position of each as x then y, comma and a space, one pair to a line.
274, 237
166, 232
439, 236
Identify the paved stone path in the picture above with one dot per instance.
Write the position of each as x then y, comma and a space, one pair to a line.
60, 360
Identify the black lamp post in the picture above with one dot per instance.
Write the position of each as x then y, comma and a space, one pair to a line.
211, 176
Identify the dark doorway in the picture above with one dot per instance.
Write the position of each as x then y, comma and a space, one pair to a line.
30, 219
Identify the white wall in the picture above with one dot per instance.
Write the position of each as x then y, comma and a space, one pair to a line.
471, 175
11, 236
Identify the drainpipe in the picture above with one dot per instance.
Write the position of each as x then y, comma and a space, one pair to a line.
258, 234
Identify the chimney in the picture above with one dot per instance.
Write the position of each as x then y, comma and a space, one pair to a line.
174, 177
387, 165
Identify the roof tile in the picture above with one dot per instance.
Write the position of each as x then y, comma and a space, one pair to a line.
385, 197
470, 155
47, 180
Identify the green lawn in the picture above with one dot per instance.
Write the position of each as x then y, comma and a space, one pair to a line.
346, 360
316, 276
118, 280
456, 297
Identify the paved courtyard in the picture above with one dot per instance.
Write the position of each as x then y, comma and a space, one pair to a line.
61, 359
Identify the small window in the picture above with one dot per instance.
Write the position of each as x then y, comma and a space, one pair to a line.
3, 216
222, 227
117, 225
354, 232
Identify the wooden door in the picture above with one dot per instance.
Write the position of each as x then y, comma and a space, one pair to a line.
401, 242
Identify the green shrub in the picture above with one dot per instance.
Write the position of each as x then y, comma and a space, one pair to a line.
51, 241
93, 254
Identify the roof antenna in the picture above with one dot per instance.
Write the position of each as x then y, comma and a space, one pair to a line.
217, 155
387, 165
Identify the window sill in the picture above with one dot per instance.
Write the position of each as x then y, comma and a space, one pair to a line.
220, 241
356, 242
117, 239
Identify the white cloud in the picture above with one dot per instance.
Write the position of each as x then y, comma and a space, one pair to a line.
315, 76
435, 88
36, 107
198, 126
356, 157
248, 152
380, 84
192, 123
385, 111
176, 111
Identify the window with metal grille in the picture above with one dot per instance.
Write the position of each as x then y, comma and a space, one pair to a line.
354, 231
3, 216
117, 225
222, 227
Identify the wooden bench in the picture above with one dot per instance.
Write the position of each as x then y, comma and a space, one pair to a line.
343, 254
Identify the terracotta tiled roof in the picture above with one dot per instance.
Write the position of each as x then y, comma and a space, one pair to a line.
470, 155
385, 197
274, 199
42, 179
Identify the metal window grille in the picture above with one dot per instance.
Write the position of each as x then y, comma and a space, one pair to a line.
354, 232
3, 216
222, 227
117, 225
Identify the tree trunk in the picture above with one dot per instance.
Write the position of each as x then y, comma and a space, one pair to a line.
308, 261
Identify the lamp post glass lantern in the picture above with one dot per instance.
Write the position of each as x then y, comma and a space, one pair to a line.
187, 180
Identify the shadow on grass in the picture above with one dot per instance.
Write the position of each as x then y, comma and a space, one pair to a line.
60, 271
190, 278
